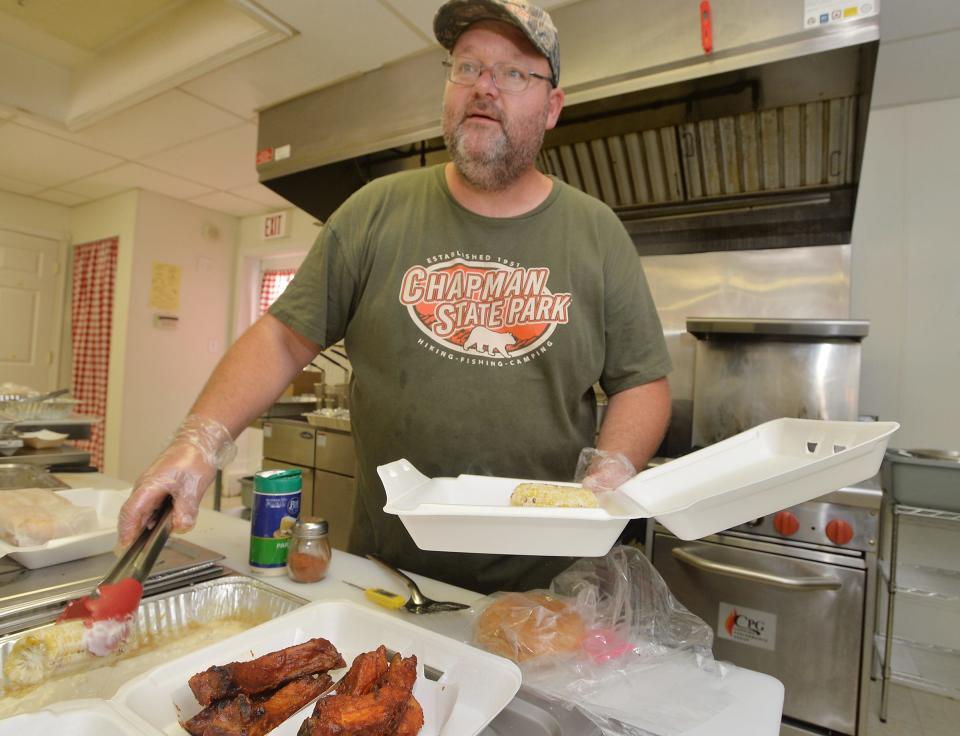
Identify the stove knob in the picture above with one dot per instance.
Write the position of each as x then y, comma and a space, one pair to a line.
786, 523
839, 531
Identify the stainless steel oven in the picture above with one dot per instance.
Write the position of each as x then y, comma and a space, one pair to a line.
788, 595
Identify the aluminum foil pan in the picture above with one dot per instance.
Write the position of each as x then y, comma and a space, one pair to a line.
191, 616
22, 475
235, 598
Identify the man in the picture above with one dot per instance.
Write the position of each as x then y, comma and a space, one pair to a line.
479, 302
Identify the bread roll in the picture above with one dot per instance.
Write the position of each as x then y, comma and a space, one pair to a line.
34, 516
548, 494
522, 626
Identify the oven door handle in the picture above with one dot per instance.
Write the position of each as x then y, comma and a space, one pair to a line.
744, 573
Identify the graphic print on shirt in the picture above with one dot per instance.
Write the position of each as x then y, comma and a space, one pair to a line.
483, 307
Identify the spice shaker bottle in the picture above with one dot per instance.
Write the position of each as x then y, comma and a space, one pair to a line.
276, 506
309, 550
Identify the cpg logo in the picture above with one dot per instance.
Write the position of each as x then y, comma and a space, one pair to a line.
747, 626
484, 308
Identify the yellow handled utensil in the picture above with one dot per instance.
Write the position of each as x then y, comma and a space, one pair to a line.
381, 597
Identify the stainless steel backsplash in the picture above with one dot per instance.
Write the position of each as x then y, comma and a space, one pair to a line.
785, 283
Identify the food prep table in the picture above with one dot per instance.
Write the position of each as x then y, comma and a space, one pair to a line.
756, 699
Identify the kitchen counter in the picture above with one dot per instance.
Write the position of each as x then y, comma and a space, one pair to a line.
757, 699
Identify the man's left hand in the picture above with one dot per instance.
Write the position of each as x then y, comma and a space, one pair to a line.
601, 471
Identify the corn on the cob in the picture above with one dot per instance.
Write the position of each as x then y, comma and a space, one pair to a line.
37, 656
547, 494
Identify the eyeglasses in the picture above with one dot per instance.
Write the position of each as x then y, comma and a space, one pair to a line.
505, 77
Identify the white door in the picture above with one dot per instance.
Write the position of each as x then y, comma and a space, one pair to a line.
31, 308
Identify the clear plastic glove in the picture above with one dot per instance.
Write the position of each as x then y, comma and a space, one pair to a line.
601, 471
184, 471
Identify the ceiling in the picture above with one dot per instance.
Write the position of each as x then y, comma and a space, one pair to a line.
108, 95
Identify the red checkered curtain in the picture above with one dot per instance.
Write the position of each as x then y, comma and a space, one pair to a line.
91, 311
272, 285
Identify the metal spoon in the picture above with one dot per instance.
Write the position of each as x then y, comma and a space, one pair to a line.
419, 603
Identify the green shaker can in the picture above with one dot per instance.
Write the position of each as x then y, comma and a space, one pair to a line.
276, 507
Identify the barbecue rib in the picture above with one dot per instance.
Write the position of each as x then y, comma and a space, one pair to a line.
245, 715
378, 712
365, 672
412, 720
265, 673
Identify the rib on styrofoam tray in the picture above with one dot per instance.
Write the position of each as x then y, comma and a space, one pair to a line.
473, 688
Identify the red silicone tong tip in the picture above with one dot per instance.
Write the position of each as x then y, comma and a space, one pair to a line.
117, 601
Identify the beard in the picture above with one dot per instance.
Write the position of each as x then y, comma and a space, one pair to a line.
491, 158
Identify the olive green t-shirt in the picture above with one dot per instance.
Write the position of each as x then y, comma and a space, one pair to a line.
475, 344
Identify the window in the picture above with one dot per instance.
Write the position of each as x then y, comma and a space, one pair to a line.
272, 284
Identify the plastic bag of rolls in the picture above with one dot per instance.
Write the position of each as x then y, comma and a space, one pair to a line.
35, 516
523, 626
605, 626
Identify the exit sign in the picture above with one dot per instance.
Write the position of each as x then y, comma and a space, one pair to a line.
275, 226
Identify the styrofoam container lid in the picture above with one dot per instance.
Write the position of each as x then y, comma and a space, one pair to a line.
762, 470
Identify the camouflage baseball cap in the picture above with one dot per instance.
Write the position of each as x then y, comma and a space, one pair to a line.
455, 16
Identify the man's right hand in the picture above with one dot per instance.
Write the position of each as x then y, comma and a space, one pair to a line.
183, 471
246, 381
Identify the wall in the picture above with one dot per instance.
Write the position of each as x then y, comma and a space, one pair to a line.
105, 218
906, 263
302, 231
155, 374
165, 369
34, 216
906, 280
252, 250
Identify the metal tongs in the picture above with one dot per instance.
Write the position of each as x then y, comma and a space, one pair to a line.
418, 602
117, 596
142, 554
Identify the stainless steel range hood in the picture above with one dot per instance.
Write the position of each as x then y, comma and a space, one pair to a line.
757, 145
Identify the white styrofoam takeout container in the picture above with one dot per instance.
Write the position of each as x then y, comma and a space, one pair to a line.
473, 688
757, 472
75, 717
102, 539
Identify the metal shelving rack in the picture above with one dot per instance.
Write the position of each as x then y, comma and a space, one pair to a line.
940, 584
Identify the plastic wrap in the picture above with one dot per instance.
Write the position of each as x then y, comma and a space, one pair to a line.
34, 516
601, 471
183, 471
609, 639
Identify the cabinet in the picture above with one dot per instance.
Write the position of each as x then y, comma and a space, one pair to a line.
920, 579
327, 459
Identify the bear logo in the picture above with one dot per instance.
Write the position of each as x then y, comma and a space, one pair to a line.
487, 341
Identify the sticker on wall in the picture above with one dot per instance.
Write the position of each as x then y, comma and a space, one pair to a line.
165, 287
827, 12
747, 626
